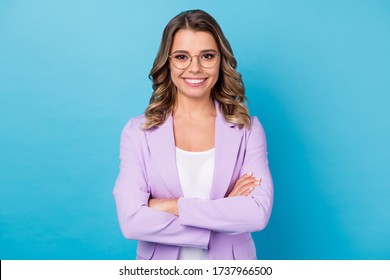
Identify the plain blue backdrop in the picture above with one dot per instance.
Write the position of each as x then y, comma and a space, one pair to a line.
317, 75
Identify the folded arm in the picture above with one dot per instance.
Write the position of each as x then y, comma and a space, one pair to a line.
243, 187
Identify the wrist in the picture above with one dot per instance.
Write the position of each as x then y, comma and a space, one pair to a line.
168, 205
173, 206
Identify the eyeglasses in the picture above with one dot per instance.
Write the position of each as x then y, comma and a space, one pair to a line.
207, 59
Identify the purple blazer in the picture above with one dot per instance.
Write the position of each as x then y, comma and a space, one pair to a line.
220, 224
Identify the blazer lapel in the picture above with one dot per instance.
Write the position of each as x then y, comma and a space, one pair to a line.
227, 144
161, 142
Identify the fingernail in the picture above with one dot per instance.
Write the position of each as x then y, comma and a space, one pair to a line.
250, 188
249, 173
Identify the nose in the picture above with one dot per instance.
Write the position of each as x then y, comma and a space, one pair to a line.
194, 66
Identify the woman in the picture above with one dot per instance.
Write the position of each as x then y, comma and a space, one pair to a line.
191, 166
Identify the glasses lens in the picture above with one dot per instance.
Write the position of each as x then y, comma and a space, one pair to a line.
208, 59
181, 60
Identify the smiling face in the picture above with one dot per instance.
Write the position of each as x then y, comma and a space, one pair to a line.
194, 81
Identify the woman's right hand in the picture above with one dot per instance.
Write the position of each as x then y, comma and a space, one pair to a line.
245, 185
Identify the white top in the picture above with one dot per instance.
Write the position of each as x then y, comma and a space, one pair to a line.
196, 174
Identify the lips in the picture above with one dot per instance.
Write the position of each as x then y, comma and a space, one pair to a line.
194, 82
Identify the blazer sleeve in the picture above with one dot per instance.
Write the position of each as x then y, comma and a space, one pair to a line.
136, 219
233, 215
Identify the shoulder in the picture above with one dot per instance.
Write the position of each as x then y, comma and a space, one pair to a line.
133, 128
255, 125
255, 122
135, 123
256, 131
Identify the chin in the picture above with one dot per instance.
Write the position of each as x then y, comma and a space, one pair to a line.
197, 95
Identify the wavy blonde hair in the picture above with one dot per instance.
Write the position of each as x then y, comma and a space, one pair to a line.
229, 90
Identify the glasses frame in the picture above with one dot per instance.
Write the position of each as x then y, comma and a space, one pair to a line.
192, 56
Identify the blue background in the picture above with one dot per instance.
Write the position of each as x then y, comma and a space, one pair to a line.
317, 75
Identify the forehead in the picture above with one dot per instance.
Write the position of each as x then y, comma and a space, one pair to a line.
193, 41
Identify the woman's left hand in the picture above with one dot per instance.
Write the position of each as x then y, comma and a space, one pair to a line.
165, 204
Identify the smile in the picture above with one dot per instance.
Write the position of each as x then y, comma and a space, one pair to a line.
194, 82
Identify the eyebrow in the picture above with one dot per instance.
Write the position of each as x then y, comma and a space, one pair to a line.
206, 50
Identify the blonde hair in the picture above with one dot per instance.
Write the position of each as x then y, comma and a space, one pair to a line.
229, 90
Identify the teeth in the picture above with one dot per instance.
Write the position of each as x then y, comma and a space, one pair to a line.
194, 81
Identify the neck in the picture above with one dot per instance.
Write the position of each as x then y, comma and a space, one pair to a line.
194, 108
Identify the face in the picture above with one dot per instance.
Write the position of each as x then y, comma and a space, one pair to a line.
194, 81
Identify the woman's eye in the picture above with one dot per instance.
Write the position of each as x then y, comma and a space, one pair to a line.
208, 56
181, 57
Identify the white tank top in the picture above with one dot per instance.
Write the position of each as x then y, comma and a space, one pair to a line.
196, 175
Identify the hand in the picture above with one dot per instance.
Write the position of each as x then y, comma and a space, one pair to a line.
245, 185
165, 204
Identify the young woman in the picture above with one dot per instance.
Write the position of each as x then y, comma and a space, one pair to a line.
194, 180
